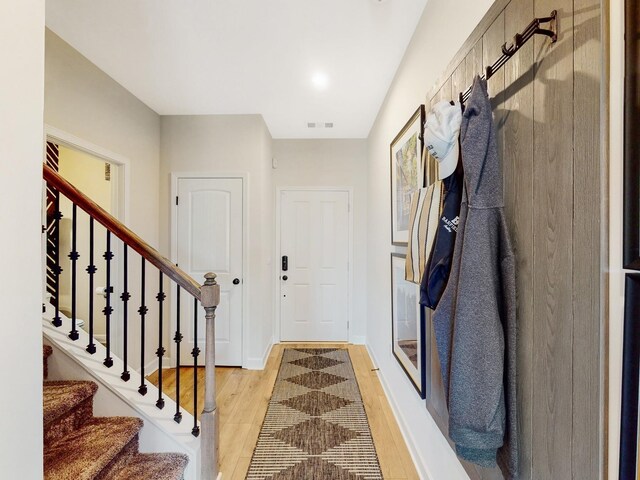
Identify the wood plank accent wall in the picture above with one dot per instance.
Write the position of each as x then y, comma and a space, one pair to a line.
547, 108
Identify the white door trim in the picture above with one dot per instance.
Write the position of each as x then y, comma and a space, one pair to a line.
278, 255
62, 137
246, 284
70, 140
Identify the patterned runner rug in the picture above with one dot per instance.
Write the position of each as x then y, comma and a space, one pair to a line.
316, 427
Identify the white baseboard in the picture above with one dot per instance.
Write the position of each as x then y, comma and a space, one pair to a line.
152, 365
418, 461
359, 340
256, 363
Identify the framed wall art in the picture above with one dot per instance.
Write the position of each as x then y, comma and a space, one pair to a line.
630, 379
407, 325
631, 135
407, 174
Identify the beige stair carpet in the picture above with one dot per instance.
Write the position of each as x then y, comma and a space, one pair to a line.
79, 446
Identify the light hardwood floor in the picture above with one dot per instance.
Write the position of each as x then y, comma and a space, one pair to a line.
243, 396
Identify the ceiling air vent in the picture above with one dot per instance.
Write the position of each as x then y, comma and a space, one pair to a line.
319, 124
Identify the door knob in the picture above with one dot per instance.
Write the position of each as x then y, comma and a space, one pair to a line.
236, 281
285, 278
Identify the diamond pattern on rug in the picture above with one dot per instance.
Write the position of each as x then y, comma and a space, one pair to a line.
315, 436
285, 417
293, 390
316, 351
293, 371
316, 362
316, 380
315, 469
350, 416
316, 403
265, 465
349, 455
315, 427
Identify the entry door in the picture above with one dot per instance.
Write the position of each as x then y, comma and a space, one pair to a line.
209, 239
314, 282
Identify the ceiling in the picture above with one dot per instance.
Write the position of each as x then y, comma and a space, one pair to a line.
293, 61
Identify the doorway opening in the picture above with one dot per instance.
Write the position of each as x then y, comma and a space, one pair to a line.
101, 175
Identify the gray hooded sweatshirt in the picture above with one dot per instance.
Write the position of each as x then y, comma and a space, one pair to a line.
475, 321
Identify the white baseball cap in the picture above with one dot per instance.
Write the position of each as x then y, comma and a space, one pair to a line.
441, 132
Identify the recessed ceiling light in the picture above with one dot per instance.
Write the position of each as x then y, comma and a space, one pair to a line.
320, 80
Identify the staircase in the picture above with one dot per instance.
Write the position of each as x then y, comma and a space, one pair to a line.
79, 446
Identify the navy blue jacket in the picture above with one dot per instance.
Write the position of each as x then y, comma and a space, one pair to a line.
436, 273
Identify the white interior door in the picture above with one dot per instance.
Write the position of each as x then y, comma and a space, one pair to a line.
314, 237
209, 239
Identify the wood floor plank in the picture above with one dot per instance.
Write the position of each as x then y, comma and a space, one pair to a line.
241, 468
243, 397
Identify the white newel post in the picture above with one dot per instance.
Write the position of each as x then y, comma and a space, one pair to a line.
210, 298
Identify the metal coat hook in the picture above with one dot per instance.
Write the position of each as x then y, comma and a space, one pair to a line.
519, 40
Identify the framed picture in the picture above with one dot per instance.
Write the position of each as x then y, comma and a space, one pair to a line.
407, 325
630, 379
631, 135
407, 174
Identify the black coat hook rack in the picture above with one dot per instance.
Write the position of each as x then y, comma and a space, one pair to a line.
534, 28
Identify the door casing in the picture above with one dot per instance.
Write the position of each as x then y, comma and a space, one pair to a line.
67, 139
278, 255
175, 176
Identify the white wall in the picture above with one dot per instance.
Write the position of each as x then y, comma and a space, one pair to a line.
616, 273
227, 144
442, 30
21, 107
333, 163
82, 100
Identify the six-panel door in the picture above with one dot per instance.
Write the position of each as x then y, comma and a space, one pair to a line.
314, 289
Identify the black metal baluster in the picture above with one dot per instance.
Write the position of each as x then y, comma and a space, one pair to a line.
195, 352
125, 296
91, 270
108, 309
74, 255
57, 322
160, 352
143, 312
178, 339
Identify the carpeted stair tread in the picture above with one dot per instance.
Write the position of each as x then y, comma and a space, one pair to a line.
153, 466
85, 452
61, 397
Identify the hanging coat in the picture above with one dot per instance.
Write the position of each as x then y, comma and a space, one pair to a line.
475, 323
436, 272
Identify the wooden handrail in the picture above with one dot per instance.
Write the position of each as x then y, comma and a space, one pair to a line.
122, 232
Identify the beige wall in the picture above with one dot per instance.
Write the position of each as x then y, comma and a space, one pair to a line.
82, 100
21, 105
332, 163
442, 30
230, 144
